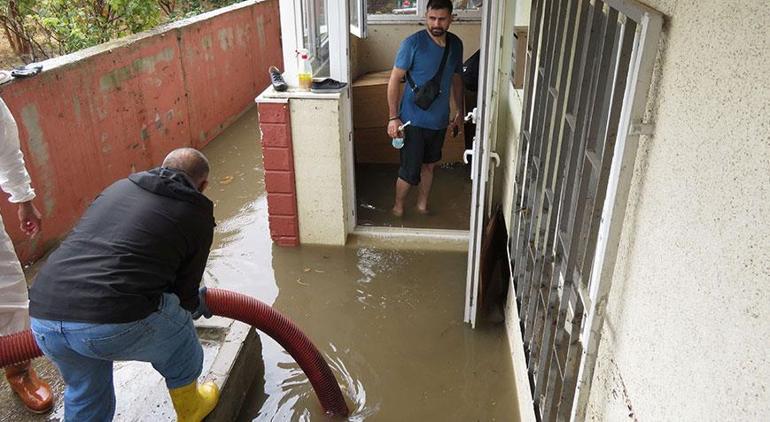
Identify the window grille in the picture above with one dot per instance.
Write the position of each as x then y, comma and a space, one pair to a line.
589, 65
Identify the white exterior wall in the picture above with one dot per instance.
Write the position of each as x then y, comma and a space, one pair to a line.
321, 179
687, 332
378, 51
510, 123
511, 105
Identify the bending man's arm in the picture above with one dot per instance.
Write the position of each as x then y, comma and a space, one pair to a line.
188, 277
394, 88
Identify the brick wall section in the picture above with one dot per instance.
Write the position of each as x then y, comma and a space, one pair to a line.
275, 124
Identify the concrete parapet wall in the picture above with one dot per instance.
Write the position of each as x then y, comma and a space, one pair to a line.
97, 115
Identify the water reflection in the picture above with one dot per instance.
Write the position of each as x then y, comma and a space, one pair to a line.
373, 261
450, 198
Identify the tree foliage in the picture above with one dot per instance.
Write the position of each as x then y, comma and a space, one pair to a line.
38, 29
24, 33
78, 24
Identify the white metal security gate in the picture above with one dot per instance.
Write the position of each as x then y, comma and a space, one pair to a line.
588, 74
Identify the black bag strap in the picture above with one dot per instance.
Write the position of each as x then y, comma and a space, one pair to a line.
437, 76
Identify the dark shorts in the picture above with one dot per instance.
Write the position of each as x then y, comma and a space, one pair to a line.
421, 146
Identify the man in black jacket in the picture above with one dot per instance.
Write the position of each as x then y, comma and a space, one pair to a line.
122, 286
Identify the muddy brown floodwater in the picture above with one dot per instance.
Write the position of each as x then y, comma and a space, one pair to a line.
389, 322
449, 202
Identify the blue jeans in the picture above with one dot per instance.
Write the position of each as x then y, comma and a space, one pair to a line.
84, 353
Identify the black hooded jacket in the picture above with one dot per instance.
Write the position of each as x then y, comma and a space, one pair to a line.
145, 235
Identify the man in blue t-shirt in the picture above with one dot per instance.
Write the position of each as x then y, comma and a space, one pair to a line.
420, 55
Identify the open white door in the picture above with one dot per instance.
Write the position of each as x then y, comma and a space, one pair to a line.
358, 18
482, 116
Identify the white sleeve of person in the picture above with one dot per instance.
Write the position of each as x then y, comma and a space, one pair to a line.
14, 178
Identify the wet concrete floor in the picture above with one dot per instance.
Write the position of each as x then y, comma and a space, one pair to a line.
388, 321
449, 201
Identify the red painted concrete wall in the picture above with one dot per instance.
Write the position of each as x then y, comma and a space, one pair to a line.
278, 158
96, 116
228, 58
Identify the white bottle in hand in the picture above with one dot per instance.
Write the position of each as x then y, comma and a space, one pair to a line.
398, 142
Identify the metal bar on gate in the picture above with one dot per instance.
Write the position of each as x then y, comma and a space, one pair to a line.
530, 300
566, 210
574, 353
568, 293
635, 99
633, 9
538, 288
544, 233
584, 195
591, 17
584, 74
522, 166
554, 180
587, 191
609, 134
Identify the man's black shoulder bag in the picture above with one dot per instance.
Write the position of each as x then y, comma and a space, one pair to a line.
426, 94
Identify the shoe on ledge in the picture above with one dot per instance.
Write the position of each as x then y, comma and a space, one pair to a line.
279, 84
327, 85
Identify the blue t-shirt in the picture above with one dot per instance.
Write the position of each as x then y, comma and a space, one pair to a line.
421, 56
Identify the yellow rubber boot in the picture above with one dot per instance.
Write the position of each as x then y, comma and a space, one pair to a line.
194, 401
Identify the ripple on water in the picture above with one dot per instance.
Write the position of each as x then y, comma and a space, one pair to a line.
289, 400
372, 263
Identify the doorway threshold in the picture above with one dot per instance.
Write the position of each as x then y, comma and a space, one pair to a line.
410, 238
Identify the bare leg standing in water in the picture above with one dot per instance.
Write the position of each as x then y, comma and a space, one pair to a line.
402, 188
426, 180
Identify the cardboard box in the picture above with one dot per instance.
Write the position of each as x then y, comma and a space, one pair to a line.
370, 118
453, 147
370, 100
373, 145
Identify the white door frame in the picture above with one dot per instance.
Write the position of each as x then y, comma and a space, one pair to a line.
291, 37
339, 41
338, 23
480, 168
